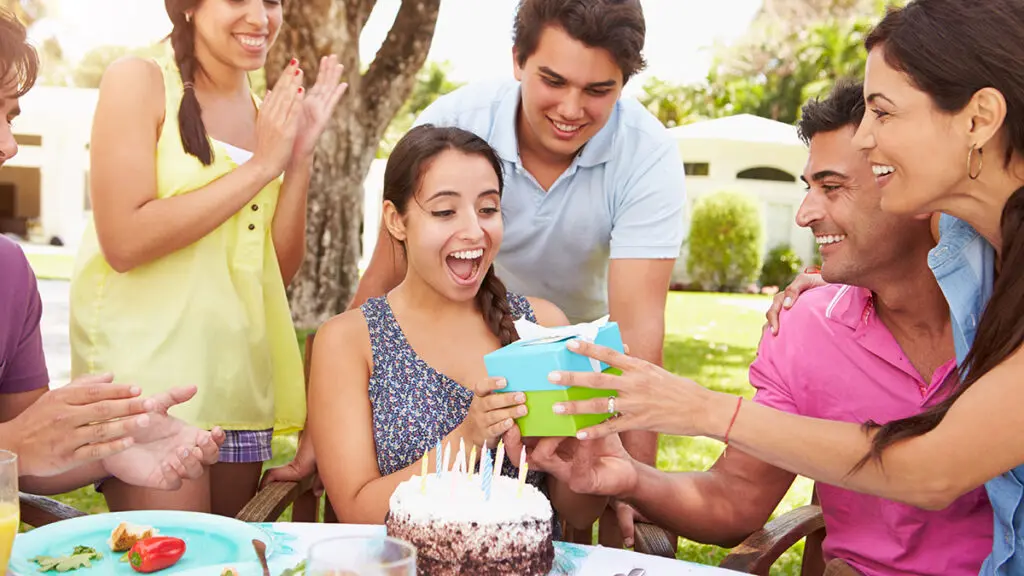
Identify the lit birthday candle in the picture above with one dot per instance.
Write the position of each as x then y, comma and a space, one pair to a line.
485, 472
499, 460
523, 466
472, 461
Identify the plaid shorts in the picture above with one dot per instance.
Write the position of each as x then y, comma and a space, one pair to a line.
240, 446
247, 446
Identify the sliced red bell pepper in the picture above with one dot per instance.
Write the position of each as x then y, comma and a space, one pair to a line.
157, 553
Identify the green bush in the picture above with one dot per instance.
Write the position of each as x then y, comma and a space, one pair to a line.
781, 266
726, 240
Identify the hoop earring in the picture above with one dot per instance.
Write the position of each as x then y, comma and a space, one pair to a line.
970, 161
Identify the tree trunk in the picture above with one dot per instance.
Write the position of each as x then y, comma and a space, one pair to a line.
314, 28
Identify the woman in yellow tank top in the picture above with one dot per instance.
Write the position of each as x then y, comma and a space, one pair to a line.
199, 203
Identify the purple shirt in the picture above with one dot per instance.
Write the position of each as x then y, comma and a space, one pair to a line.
834, 359
22, 365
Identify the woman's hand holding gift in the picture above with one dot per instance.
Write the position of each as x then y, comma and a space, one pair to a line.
649, 397
491, 414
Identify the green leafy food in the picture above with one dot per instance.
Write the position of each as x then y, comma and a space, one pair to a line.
81, 557
298, 570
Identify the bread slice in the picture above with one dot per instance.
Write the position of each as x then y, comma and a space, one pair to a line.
126, 535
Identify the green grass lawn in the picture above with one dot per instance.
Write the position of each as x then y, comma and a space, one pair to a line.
711, 338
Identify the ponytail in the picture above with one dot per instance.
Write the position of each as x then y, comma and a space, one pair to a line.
1000, 334
492, 299
190, 117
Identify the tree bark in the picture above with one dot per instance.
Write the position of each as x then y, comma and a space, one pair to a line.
315, 28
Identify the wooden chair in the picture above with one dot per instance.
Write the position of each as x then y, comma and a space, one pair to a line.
762, 549
39, 511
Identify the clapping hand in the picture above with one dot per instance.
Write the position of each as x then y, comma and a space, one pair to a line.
166, 450
318, 106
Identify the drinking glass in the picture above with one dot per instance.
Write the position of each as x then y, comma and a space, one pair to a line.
361, 556
9, 510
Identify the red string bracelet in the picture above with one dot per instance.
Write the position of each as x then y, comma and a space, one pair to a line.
739, 402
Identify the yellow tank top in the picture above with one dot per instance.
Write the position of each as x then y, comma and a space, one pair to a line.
213, 314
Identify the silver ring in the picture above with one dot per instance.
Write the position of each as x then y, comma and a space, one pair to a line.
611, 404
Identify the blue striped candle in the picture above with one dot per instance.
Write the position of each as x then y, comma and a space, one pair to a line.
487, 470
437, 459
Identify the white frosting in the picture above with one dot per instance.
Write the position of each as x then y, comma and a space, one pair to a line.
454, 498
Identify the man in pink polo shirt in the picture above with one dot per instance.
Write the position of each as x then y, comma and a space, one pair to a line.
876, 345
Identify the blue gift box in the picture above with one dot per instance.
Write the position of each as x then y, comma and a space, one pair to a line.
525, 366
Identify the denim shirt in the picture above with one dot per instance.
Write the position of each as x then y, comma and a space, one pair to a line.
964, 265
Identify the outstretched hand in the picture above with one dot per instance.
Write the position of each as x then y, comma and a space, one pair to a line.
600, 467
167, 450
649, 397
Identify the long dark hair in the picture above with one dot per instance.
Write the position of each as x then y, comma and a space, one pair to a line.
951, 49
402, 177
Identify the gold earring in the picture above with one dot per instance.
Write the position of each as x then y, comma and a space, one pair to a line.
970, 162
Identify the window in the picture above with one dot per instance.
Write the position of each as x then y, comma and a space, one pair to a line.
779, 222
697, 168
28, 140
766, 173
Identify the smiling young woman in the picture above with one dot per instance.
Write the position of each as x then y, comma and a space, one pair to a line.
198, 192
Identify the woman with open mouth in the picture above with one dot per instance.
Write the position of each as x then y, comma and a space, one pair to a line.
404, 374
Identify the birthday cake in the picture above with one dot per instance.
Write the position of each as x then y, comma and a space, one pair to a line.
464, 523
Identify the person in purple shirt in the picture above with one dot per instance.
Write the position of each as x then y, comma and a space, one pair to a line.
92, 428
876, 345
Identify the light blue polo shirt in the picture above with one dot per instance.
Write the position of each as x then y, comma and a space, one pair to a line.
622, 197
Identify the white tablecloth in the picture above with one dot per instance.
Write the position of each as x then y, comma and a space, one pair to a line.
293, 540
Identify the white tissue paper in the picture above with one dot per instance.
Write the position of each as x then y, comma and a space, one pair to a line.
532, 334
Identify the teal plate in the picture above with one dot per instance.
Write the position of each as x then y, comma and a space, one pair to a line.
210, 540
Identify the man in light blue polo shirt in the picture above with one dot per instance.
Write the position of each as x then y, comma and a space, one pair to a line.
594, 185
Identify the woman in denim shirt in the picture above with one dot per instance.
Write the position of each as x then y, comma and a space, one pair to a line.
944, 88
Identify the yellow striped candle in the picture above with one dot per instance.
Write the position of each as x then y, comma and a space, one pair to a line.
499, 460
472, 461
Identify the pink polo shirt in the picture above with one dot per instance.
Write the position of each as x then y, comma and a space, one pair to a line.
834, 359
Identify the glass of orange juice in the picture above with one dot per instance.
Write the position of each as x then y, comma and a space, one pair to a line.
9, 508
